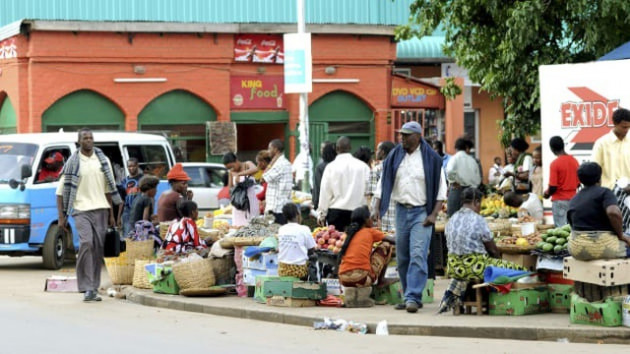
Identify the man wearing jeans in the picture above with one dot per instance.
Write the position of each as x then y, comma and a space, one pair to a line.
563, 181
413, 178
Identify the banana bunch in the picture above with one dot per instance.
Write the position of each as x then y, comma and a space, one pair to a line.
493, 205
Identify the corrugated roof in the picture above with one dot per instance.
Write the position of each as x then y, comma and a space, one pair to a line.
426, 48
368, 12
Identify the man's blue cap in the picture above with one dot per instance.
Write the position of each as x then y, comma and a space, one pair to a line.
411, 128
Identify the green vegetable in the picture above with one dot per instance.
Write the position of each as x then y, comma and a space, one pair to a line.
557, 249
547, 247
566, 228
564, 234
551, 239
561, 241
540, 245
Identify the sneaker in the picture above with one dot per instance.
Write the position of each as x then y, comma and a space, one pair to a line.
90, 296
412, 307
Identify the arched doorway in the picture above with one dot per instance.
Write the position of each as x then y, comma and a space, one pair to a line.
83, 108
7, 116
182, 116
340, 113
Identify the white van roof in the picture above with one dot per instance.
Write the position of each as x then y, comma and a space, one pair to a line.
45, 138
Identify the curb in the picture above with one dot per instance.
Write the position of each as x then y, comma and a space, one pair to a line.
619, 335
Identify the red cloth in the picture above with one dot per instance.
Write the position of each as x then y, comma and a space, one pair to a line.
183, 236
224, 193
45, 173
261, 196
563, 175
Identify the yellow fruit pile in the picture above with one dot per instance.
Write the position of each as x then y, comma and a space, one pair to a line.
493, 205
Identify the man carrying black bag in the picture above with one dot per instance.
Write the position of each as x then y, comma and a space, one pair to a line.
87, 192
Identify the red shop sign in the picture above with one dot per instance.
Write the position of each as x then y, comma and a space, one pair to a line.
259, 48
254, 92
411, 93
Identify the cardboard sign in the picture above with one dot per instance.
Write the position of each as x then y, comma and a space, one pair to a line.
259, 48
61, 284
257, 92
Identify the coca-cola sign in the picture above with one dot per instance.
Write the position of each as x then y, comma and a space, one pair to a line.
258, 48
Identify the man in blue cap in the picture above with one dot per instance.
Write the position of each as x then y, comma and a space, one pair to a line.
413, 178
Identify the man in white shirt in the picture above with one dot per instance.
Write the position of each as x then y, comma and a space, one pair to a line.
413, 177
462, 172
279, 181
531, 206
343, 187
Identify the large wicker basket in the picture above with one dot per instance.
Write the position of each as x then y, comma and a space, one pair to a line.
120, 270
139, 250
140, 278
195, 274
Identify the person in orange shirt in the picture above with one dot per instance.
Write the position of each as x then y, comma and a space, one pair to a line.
361, 264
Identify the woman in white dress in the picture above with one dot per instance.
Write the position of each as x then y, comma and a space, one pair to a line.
239, 172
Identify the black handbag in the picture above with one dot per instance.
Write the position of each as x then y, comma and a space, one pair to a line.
114, 245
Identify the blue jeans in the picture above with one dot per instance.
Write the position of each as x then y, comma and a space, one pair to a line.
559, 210
412, 248
125, 222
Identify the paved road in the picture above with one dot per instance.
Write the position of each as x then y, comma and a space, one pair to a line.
32, 321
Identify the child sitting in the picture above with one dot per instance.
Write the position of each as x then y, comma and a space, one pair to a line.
361, 265
182, 235
295, 244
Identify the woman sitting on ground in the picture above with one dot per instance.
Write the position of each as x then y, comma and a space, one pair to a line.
295, 245
361, 264
594, 209
182, 236
470, 248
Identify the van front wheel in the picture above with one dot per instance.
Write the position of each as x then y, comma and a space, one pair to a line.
54, 250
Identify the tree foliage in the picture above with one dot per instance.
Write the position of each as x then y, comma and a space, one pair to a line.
502, 43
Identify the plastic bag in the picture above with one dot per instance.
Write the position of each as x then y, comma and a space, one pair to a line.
238, 195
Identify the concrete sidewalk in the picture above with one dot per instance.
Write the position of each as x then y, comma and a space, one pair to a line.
550, 326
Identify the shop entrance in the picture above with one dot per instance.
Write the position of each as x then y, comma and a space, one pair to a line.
337, 114
7, 116
256, 129
181, 116
84, 108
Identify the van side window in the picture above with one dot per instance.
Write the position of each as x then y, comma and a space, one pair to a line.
152, 159
218, 177
51, 164
112, 151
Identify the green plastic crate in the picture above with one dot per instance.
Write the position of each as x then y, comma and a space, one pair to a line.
167, 285
261, 286
560, 297
519, 302
606, 313
393, 294
295, 289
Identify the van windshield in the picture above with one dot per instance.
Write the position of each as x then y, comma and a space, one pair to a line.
12, 157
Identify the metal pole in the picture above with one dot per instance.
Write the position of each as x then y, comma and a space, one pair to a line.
304, 138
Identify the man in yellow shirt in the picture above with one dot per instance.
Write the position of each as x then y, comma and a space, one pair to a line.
612, 151
86, 192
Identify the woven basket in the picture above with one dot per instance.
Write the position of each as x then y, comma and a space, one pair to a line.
164, 228
214, 234
139, 250
196, 274
119, 270
241, 241
140, 278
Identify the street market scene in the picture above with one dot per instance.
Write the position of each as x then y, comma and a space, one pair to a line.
341, 175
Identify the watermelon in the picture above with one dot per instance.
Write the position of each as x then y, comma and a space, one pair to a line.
557, 249
551, 239
547, 247
561, 241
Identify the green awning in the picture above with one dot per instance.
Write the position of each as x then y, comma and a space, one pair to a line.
428, 48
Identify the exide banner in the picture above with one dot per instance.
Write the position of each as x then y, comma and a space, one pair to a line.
577, 102
258, 48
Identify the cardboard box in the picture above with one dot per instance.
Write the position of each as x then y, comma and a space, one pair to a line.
333, 286
61, 284
282, 301
295, 289
264, 261
249, 275
259, 292
526, 260
606, 314
599, 272
519, 302
560, 297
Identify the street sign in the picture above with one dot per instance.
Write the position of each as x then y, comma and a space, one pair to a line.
298, 64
